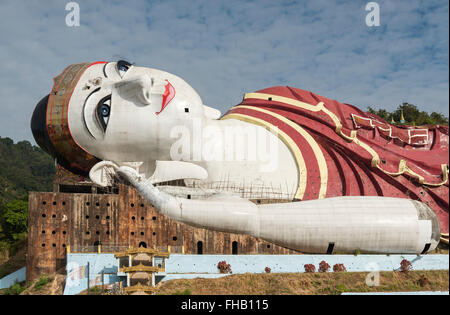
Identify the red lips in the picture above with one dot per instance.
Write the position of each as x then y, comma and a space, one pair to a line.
168, 96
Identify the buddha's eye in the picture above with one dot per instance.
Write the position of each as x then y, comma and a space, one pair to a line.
123, 66
103, 111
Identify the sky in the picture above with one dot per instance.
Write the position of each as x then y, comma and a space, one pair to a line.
227, 48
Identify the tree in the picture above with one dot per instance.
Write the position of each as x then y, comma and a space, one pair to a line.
14, 219
23, 168
382, 113
412, 115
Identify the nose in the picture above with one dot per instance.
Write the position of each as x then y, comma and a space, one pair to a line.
139, 88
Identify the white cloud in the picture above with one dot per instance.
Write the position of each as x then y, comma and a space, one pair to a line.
225, 49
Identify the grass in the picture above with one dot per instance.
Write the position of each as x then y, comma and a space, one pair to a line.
186, 291
34, 286
95, 290
42, 282
15, 289
303, 283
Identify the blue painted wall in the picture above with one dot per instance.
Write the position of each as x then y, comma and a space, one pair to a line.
18, 276
97, 264
295, 263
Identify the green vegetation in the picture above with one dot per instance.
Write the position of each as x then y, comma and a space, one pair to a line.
14, 220
15, 289
186, 291
43, 280
412, 115
95, 290
44, 285
23, 168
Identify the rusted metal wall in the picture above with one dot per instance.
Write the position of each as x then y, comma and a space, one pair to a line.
56, 220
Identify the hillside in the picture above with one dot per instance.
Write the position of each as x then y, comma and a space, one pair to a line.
23, 168
307, 283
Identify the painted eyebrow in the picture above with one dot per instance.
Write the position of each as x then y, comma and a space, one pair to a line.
104, 69
84, 105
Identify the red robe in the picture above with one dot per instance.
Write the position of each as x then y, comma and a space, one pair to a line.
364, 155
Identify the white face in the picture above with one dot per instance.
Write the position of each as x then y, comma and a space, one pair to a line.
121, 112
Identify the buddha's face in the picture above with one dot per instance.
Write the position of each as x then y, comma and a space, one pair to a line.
113, 111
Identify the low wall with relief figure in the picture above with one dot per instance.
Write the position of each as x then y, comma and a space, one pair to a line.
78, 274
205, 266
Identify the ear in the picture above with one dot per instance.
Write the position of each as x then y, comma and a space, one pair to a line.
212, 113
